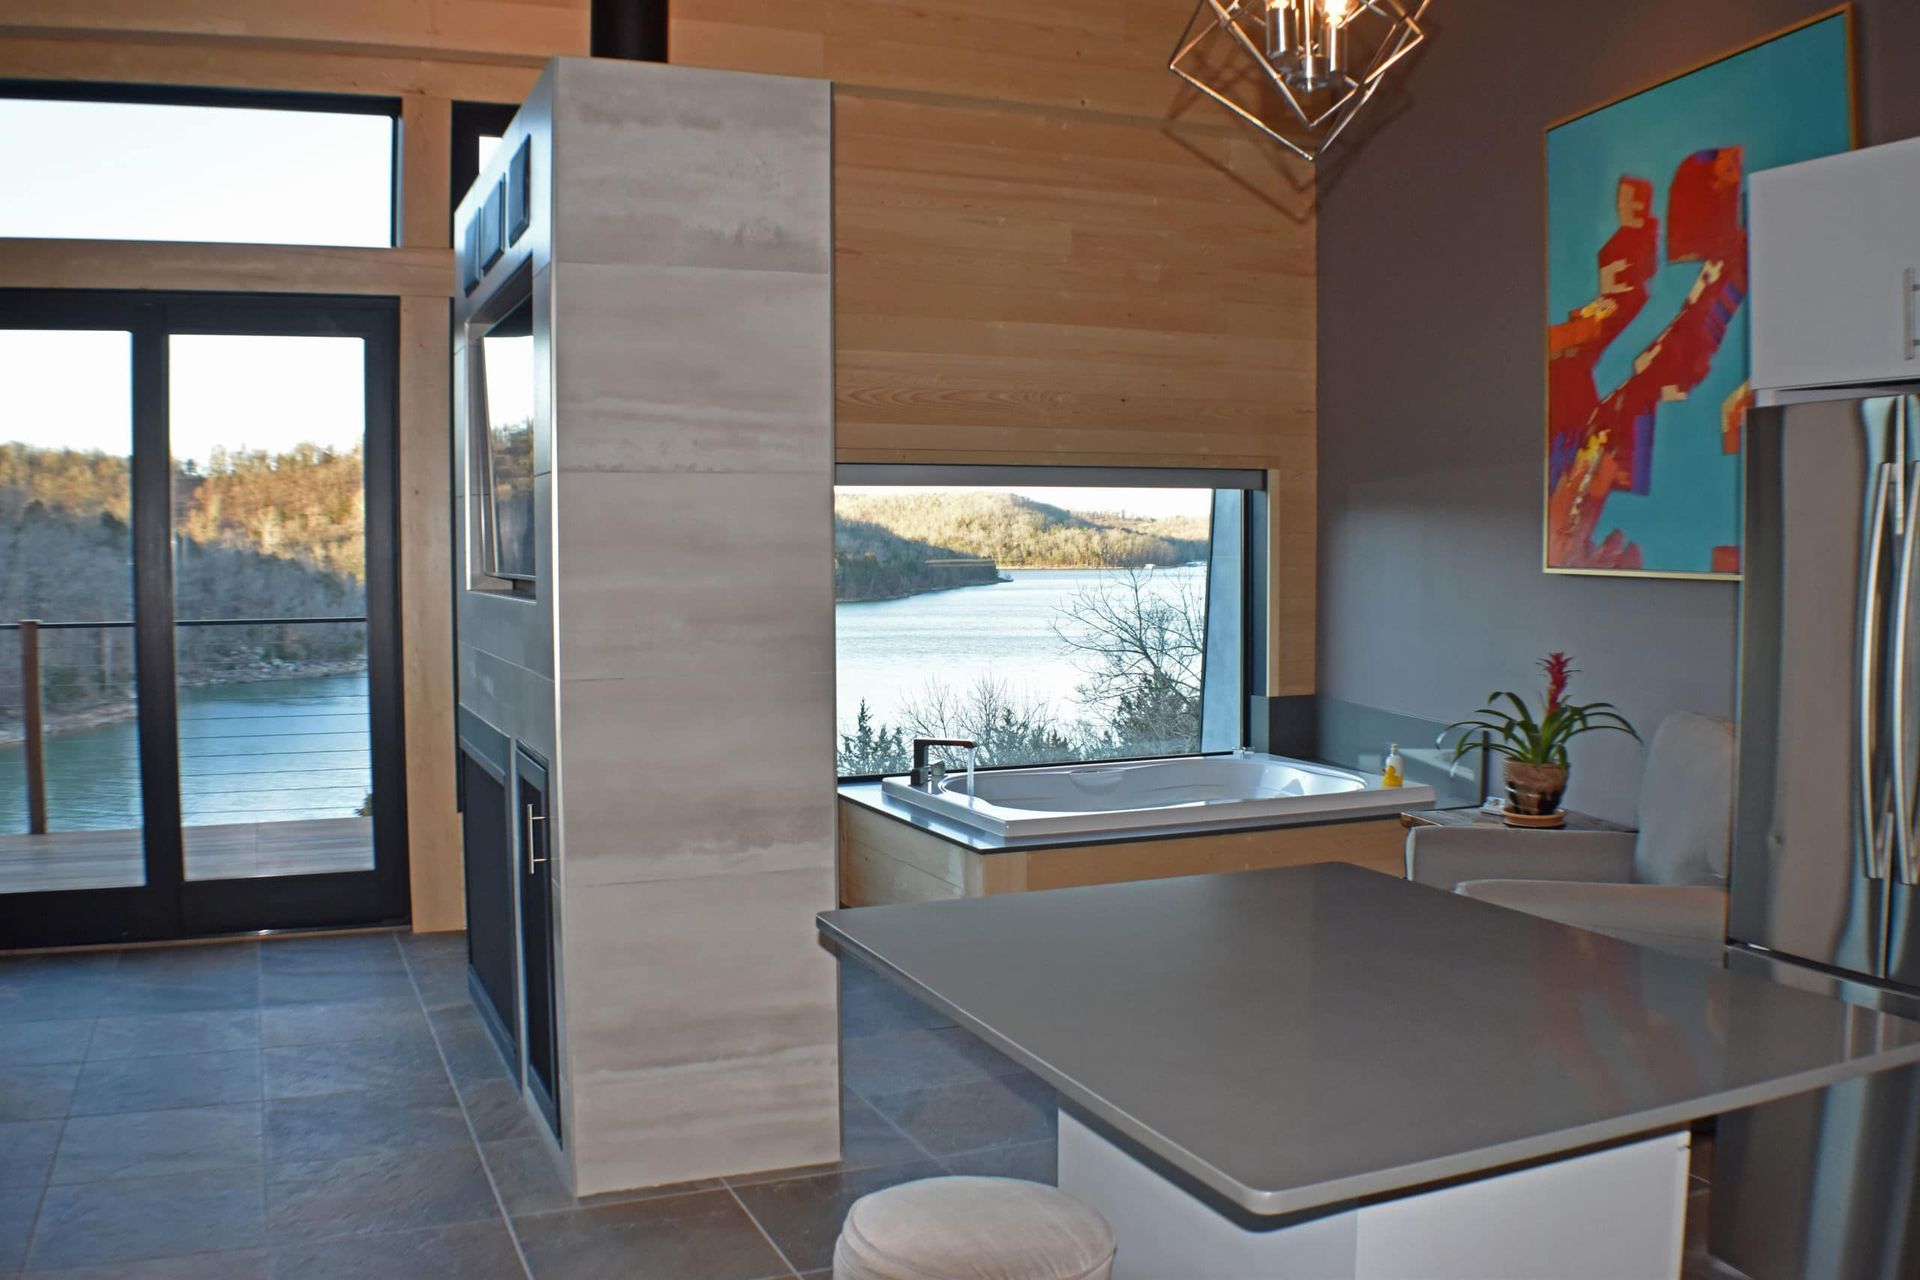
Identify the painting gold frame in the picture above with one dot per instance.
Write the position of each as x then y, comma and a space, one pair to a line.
1843, 11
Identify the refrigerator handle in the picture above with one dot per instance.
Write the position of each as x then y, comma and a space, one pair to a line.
1899, 673
1867, 687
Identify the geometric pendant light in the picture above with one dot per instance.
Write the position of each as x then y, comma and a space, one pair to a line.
1297, 70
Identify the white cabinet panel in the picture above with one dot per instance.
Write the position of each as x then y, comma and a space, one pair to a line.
1835, 252
1618, 1213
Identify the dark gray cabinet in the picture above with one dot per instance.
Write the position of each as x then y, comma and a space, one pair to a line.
536, 936
505, 798
487, 839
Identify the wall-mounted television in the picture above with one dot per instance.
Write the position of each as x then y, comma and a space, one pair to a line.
505, 399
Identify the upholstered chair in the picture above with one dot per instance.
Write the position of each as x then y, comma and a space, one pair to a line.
1664, 886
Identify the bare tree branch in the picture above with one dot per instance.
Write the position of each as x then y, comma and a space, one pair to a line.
1135, 626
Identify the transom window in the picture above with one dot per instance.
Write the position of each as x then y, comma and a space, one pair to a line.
1046, 614
196, 165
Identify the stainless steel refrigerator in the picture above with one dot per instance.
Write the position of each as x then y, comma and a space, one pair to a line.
1825, 883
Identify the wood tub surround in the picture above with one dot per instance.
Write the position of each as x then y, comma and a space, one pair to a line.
886, 860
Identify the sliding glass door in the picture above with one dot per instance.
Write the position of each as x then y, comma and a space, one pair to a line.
196, 542
70, 800
269, 602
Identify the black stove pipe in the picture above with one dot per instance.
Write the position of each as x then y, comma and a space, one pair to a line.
632, 29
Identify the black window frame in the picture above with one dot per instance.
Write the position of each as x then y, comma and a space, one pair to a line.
173, 95
473, 121
168, 905
1255, 525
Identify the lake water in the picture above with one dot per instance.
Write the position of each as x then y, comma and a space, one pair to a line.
891, 650
268, 751
292, 749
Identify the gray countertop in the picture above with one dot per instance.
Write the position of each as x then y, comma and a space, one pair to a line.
1302, 1038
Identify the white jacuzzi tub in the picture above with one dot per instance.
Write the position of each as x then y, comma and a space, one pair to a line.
1244, 789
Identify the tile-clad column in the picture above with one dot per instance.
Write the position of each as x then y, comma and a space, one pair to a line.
692, 473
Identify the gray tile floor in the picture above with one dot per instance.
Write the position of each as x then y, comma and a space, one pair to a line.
312, 1108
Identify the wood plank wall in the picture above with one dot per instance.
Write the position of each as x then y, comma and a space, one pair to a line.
1048, 251
516, 28
1055, 286
427, 55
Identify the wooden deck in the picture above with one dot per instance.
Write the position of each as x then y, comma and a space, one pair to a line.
243, 850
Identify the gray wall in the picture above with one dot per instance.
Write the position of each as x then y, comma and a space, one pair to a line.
1431, 381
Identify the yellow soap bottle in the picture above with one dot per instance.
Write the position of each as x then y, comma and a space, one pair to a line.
1395, 772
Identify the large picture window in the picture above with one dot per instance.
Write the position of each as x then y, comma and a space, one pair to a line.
1046, 614
86, 163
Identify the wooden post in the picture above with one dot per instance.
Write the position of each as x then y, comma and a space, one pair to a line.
30, 707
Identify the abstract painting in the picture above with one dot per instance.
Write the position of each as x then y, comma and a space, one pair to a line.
1647, 351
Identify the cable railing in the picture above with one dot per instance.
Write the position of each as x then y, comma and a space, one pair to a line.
128, 623
309, 755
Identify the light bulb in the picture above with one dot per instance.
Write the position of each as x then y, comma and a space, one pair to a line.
1280, 40
1337, 12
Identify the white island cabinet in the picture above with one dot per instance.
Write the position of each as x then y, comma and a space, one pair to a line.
1835, 256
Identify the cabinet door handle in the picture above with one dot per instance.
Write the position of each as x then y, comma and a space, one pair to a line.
1909, 297
541, 859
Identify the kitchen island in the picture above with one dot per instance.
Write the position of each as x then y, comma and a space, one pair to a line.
1326, 1072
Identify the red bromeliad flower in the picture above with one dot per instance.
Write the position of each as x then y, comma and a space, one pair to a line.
1506, 726
1558, 667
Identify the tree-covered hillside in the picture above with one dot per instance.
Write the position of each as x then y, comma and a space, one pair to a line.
874, 563
1019, 533
257, 536
306, 505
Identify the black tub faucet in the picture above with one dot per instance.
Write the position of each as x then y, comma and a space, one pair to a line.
927, 776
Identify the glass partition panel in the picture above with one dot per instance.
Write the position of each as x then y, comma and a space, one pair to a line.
70, 803
269, 551
507, 376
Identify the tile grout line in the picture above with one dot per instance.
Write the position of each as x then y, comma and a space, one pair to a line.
773, 1244
266, 1140
177, 1106
841, 1167
473, 1134
893, 1124
916, 1150
60, 1140
86, 1056
39, 1205
260, 1050
886, 1119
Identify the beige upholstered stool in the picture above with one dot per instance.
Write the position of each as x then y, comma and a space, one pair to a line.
972, 1229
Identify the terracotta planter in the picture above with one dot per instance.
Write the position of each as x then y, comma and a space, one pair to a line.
1534, 790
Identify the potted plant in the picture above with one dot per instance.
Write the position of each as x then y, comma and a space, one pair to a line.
1534, 749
